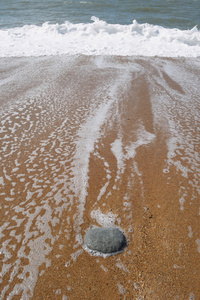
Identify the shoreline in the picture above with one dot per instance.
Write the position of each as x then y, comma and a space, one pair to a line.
100, 141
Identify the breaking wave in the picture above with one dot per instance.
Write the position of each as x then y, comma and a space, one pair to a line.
97, 38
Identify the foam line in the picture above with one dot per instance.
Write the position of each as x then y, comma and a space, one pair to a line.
98, 38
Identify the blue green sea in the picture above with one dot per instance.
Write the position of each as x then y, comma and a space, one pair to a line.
183, 14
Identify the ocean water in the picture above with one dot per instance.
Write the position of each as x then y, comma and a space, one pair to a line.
182, 14
114, 27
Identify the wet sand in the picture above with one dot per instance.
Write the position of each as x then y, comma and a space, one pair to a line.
99, 141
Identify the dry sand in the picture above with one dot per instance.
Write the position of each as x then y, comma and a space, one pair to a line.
100, 141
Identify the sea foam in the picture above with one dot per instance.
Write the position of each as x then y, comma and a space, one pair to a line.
97, 38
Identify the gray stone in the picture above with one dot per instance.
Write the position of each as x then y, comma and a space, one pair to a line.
105, 239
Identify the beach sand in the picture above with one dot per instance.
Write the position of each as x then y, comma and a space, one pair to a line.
100, 141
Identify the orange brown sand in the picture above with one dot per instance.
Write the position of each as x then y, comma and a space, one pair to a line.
47, 104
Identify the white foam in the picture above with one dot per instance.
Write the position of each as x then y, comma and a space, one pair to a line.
192, 297
103, 190
198, 244
97, 253
168, 105
87, 136
123, 153
182, 199
104, 268
117, 150
122, 290
143, 138
190, 232
121, 266
103, 219
76, 254
97, 38
1, 181
58, 292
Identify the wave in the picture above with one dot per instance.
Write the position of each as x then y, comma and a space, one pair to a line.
99, 37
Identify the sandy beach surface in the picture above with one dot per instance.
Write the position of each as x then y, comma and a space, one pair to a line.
99, 141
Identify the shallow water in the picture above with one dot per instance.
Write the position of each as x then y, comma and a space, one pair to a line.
102, 141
